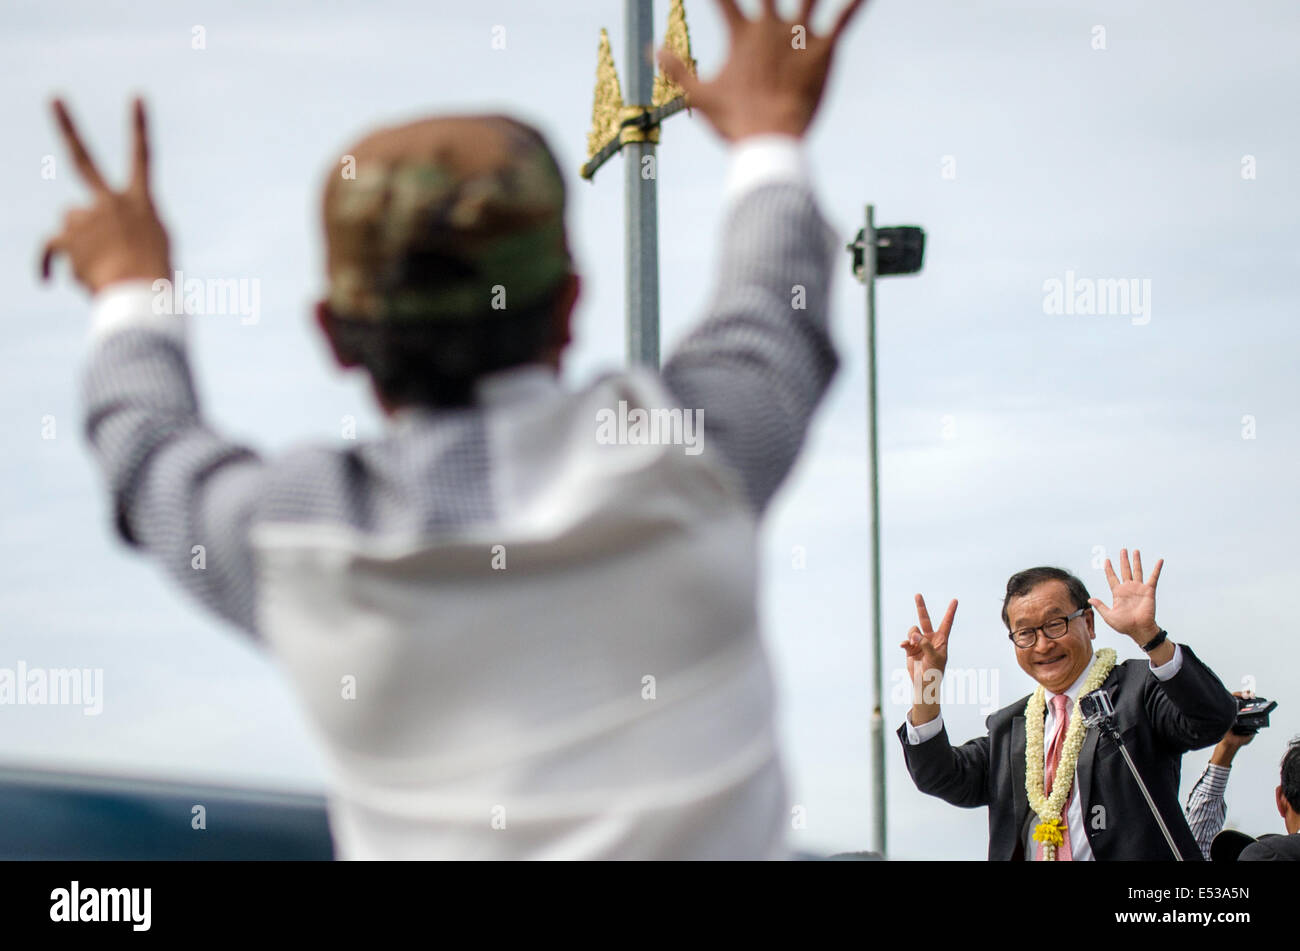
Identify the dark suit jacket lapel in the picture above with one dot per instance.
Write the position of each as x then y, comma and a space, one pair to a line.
1083, 770
1017, 764
1088, 752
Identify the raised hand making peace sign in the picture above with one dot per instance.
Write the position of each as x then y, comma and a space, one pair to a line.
119, 237
927, 656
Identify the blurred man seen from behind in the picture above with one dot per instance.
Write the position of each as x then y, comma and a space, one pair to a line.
522, 621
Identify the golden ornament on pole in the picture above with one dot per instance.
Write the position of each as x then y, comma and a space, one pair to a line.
615, 123
677, 39
608, 103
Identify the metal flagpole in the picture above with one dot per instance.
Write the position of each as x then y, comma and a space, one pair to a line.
642, 198
634, 126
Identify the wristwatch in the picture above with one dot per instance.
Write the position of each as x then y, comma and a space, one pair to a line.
1156, 641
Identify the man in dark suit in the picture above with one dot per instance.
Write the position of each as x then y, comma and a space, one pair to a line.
1285, 848
1163, 707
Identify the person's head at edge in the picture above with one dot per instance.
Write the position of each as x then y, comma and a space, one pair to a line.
1037, 597
1288, 790
446, 257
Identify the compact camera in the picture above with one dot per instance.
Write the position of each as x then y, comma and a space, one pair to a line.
1252, 715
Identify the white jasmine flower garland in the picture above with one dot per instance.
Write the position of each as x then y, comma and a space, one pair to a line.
1050, 829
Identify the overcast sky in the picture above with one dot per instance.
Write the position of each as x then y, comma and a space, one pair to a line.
1156, 145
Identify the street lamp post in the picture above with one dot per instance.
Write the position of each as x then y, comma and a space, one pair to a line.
879, 253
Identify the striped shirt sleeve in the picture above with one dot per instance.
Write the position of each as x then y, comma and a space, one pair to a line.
1206, 806
182, 492
760, 362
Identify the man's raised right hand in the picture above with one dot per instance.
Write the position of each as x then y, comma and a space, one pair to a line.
774, 76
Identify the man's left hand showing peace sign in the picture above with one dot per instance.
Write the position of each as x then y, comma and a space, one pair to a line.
119, 237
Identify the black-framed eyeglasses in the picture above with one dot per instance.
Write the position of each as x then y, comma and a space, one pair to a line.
1056, 627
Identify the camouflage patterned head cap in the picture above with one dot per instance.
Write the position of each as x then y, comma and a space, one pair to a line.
445, 218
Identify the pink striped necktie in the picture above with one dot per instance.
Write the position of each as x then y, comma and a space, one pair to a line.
1059, 703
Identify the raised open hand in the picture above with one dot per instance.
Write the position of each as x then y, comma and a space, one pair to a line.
927, 650
1133, 611
119, 237
774, 76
